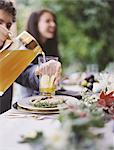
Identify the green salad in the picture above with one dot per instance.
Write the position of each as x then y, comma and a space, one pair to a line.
47, 102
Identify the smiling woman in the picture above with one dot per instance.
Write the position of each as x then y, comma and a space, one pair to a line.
42, 25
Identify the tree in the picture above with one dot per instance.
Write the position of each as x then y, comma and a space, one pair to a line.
90, 29
85, 29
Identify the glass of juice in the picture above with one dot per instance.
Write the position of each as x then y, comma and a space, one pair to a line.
47, 77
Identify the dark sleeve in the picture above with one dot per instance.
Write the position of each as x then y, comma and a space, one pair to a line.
28, 78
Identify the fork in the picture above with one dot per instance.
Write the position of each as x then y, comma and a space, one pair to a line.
29, 115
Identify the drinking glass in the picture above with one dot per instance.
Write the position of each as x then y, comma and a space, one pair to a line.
46, 79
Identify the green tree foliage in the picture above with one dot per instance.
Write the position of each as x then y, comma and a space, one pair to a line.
24, 8
85, 30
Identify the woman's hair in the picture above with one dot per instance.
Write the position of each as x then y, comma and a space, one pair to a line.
50, 47
8, 7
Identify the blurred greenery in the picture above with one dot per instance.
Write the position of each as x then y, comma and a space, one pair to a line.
85, 29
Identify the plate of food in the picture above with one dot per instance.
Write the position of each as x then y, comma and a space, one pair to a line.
47, 104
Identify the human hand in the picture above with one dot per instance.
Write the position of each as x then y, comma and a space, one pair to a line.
4, 33
51, 67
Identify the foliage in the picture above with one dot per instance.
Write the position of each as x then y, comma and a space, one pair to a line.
24, 8
92, 41
85, 29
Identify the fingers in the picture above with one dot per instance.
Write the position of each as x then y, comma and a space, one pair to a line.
46, 68
57, 80
1, 43
50, 68
58, 73
3, 34
42, 69
37, 71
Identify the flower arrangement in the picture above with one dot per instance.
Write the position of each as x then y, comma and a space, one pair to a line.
75, 132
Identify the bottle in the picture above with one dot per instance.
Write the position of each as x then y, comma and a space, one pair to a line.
16, 57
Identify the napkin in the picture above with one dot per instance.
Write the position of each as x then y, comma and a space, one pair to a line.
69, 93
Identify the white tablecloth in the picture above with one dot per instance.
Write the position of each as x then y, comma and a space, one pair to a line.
12, 128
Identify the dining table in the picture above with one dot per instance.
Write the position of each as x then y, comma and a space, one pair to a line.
15, 123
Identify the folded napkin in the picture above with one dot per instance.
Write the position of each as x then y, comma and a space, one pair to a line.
69, 93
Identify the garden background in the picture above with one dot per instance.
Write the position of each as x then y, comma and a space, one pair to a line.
85, 30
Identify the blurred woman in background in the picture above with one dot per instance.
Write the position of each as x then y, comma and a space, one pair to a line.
43, 26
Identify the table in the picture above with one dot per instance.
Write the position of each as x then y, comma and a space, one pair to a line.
12, 128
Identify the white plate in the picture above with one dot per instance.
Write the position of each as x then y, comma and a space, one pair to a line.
25, 103
24, 110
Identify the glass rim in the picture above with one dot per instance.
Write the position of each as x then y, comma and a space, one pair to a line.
48, 57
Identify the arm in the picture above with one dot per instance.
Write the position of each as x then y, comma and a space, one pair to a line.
28, 78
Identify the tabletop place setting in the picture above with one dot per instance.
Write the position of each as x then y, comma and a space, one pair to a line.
61, 106
81, 101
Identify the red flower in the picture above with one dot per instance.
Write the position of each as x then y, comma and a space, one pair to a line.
106, 99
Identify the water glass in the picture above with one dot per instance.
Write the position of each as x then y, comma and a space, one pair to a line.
47, 77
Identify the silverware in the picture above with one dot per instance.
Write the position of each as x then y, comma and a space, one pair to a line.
18, 115
22, 115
